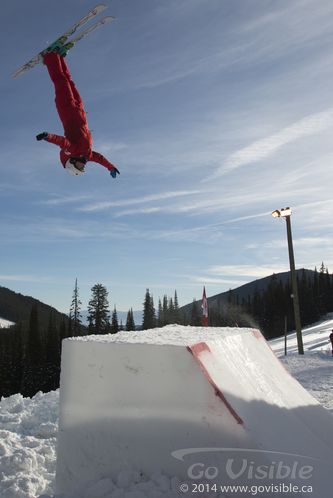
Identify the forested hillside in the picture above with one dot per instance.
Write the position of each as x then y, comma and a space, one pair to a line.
267, 303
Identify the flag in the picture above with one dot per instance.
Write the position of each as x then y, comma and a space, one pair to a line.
204, 306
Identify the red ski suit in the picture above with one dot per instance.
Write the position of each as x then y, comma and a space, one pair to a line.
77, 141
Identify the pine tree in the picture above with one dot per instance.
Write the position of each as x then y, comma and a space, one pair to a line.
324, 289
149, 315
64, 330
176, 310
171, 311
98, 309
75, 312
130, 325
35, 343
17, 357
6, 362
34, 361
160, 314
165, 311
114, 322
53, 345
195, 319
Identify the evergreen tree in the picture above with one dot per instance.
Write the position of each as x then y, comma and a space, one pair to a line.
34, 360
69, 330
98, 309
6, 362
114, 322
17, 364
149, 315
171, 311
160, 314
176, 310
195, 319
52, 341
35, 342
75, 312
63, 330
308, 310
316, 292
130, 325
53, 345
165, 311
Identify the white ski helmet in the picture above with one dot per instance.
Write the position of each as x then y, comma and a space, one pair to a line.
71, 168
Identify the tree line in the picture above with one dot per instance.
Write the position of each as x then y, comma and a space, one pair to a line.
271, 310
30, 351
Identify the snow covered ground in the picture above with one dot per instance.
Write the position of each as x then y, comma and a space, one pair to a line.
314, 369
28, 431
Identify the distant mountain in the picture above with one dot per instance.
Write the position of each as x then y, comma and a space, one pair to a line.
16, 307
246, 290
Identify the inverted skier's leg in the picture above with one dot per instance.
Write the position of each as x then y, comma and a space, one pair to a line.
64, 97
77, 97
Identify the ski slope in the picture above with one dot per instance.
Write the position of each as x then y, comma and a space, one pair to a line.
315, 338
313, 369
29, 427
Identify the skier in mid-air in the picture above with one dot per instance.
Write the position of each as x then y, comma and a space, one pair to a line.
76, 145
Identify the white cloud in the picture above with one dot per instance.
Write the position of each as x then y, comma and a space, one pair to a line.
24, 278
147, 210
99, 206
268, 146
70, 199
246, 270
218, 281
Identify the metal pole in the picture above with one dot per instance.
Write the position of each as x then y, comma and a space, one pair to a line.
285, 335
294, 288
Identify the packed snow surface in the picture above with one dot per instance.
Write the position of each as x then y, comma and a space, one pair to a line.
28, 428
175, 335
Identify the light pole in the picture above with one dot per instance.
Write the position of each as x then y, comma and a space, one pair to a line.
286, 214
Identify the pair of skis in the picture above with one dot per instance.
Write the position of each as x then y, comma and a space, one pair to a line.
65, 36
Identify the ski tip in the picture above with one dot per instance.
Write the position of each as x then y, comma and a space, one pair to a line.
16, 74
100, 7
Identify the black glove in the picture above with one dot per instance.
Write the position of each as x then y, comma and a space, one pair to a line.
114, 172
41, 136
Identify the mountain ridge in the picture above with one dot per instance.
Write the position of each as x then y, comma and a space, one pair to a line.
243, 291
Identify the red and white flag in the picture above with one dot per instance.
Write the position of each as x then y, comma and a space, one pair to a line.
204, 306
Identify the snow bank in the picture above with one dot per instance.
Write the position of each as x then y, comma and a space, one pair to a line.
28, 430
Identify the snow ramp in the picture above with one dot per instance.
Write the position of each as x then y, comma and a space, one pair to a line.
211, 406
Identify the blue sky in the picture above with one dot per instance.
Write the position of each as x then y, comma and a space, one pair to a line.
216, 113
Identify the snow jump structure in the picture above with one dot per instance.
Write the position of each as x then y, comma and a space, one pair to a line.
205, 405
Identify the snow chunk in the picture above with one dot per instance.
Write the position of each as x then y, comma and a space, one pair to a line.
28, 430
